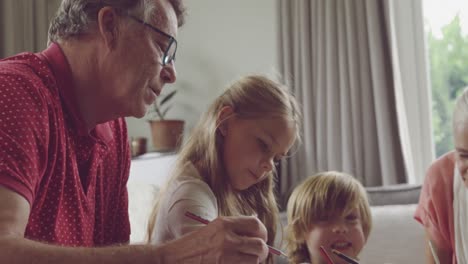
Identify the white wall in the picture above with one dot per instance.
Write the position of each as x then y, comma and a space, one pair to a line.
221, 40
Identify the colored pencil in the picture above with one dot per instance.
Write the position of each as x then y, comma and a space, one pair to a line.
204, 221
325, 255
343, 256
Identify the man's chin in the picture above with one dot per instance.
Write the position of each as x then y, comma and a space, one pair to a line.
140, 113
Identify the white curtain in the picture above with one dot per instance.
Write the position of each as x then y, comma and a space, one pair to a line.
410, 61
24, 25
342, 59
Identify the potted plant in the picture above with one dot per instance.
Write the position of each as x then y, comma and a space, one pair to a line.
167, 134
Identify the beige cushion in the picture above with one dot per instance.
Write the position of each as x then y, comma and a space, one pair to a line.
395, 237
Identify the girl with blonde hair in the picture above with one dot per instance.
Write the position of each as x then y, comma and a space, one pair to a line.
227, 167
329, 209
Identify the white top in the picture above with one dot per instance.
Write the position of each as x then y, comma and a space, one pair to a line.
460, 217
186, 192
154, 168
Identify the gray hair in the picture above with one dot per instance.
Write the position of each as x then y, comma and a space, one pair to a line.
76, 17
460, 111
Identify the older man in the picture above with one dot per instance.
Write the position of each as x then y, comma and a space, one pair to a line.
64, 157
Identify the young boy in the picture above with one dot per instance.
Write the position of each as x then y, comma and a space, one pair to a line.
329, 209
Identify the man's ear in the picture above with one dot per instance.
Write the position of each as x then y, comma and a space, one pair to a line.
108, 24
223, 115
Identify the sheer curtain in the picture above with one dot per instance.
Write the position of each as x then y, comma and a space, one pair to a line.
410, 61
24, 25
342, 59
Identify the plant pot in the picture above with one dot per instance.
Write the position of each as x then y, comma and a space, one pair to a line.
138, 146
167, 134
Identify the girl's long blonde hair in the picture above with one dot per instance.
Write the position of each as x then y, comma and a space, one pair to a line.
251, 97
322, 196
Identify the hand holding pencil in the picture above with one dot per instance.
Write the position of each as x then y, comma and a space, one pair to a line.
230, 240
197, 218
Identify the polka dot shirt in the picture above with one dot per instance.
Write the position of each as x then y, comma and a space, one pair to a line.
73, 178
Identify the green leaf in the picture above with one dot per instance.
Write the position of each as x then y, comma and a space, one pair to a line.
158, 113
168, 97
165, 111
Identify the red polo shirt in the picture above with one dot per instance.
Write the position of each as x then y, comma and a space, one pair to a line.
74, 179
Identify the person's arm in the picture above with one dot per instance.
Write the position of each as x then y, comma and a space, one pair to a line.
194, 197
435, 254
223, 241
15, 249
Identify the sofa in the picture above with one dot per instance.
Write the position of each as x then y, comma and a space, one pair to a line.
396, 238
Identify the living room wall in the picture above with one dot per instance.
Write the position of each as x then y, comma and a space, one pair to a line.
220, 41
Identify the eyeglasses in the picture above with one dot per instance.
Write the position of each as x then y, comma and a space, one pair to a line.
170, 52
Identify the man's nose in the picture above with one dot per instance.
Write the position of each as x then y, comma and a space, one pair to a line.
168, 73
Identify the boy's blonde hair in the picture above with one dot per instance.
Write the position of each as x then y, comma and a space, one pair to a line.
325, 195
251, 97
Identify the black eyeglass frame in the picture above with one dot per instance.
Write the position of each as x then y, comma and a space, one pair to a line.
172, 41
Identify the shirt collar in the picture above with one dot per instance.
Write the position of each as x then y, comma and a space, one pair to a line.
63, 76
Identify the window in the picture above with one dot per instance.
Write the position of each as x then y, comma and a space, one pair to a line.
446, 26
